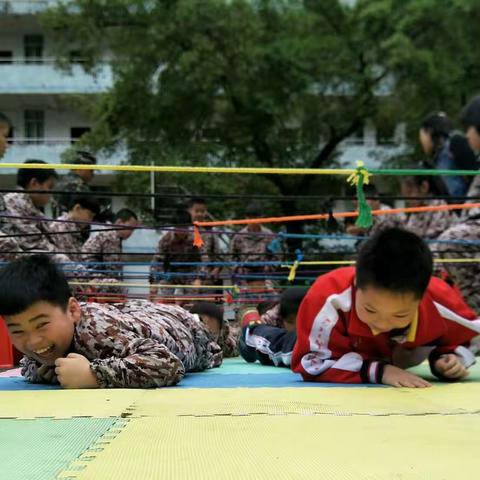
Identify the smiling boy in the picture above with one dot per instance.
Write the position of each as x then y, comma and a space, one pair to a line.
136, 344
361, 325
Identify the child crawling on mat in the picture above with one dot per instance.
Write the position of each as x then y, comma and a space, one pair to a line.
136, 344
365, 324
270, 337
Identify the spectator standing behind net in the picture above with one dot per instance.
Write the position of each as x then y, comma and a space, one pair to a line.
76, 182
251, 244
448, 151
104, 248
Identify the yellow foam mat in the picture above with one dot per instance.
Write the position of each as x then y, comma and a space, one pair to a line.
439, 399
289, 447
68, 403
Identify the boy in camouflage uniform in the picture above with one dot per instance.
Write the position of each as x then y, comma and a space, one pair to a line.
106, 246
177, 246
426, 224
28, 203
135, 344
76, 182
66, 234
252, 244
212, 316
466, 276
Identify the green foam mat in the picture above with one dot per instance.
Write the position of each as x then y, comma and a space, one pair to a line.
237, 366
40, 449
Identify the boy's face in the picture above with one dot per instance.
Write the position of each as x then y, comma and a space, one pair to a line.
81, 214
473, 136
127, 232
426, 141
40, 200
44, 331
212, 324
198, 212
409, 189
383, 310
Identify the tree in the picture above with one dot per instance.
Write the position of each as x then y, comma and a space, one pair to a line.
267, 82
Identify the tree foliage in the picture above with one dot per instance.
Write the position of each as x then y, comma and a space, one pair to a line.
267, 82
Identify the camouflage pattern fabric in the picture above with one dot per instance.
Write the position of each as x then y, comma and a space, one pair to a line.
104, 246
20, 204
466, 276
67, 236
137, 344
431, 224
174, 248
381, 222
68, 183
251, 248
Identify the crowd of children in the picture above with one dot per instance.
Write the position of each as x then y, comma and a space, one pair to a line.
362, 324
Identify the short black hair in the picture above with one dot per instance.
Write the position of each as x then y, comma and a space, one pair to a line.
29, 280
125, 214
290, 301
253, 210
471, 114
395, 260
82, 157
85, 201
264, 307
210, 309
182, 217
195, 201
437, 124
25, 175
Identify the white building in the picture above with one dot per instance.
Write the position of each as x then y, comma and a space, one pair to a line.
34, 94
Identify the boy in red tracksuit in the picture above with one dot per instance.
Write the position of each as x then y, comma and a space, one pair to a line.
365, 324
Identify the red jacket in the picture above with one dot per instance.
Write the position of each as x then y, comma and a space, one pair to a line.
334, 345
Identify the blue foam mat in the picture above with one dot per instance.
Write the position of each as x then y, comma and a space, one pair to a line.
205, 380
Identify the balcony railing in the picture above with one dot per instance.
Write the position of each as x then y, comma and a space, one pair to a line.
19, 77
24, 7
50, 151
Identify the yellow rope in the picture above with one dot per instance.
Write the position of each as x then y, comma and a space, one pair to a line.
175, 169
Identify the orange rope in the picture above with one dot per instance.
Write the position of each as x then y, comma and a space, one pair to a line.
324, 216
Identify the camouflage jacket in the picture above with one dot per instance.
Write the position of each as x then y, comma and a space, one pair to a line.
104, 246
431, 224
466, 276
71, 182
381, 222
36, 231
138, 344
66, 236
172, 248
251, 248
473, 191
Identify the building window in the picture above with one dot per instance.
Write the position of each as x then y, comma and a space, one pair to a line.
77, 132
5, 56
33, 48
35, 125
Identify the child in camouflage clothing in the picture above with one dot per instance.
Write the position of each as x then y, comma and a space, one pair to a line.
136, 344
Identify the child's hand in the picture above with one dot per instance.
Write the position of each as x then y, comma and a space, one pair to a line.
450, 366
396, 377
74, 372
